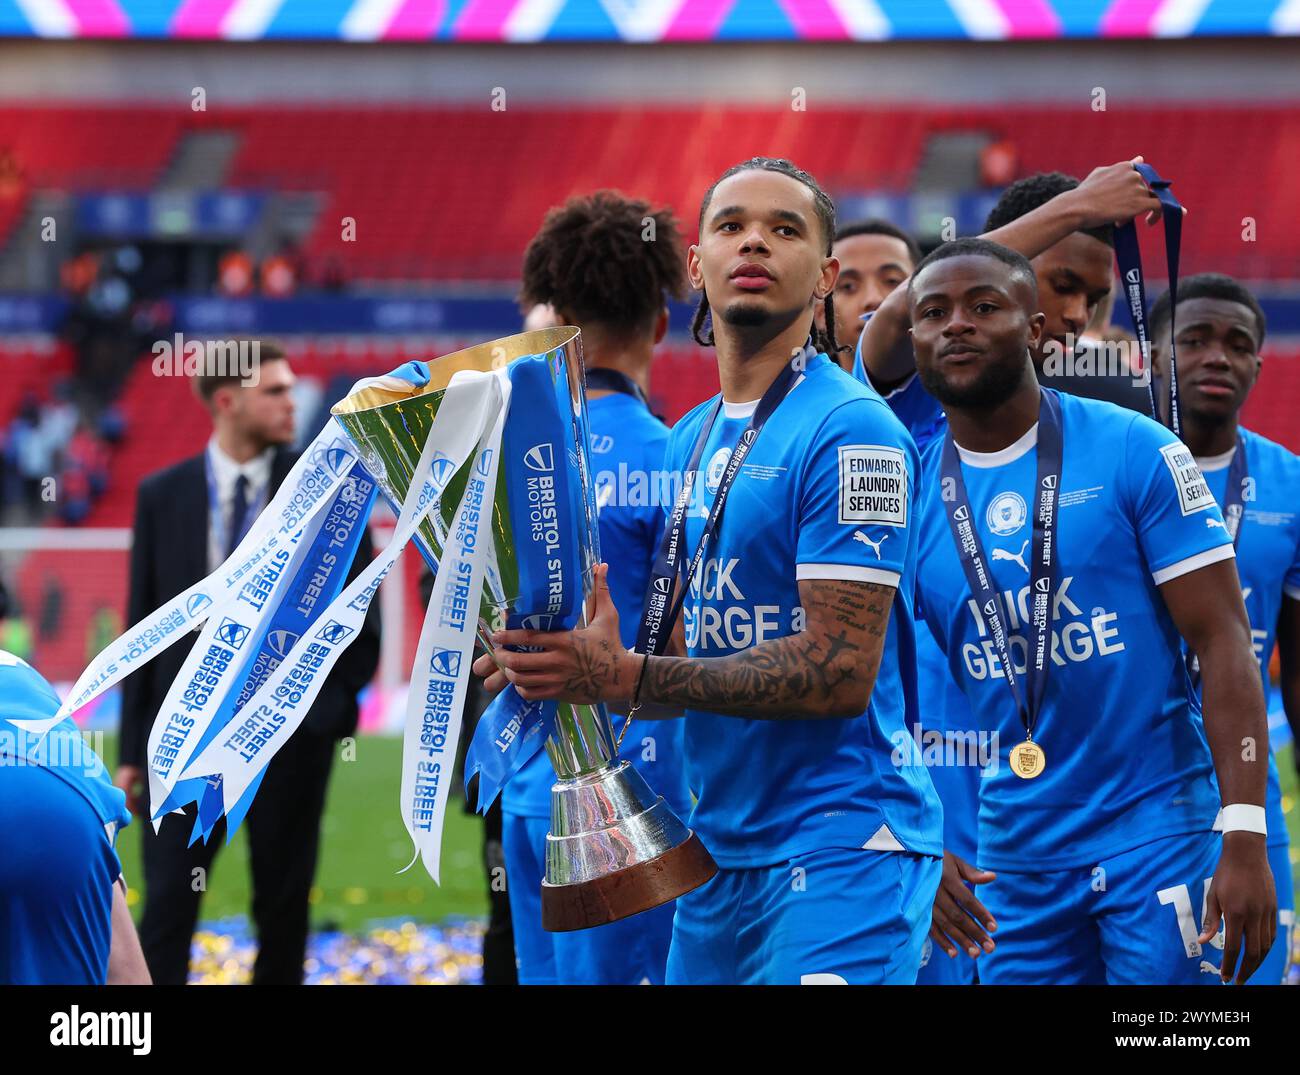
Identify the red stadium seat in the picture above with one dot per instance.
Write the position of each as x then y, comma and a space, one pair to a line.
437, 193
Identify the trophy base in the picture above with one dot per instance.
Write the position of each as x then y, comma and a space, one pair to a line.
628, 891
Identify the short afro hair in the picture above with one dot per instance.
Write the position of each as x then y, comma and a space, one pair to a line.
1026, 195
597, 259
1018, 263
876, 226
1208, 285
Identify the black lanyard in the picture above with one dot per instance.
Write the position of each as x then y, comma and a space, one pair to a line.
604, 379
1129, 256
1042, 568
657, 618
1234, 496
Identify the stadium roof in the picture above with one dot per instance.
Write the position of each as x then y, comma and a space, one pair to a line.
645, 20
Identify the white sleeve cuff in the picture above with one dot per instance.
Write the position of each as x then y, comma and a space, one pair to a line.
1292, 592
1193, 563
847, 573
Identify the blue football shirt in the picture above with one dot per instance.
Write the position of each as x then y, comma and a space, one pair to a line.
919, 411
826, 492
952, 746
948, 737
59, 819
627, 459
1268, 560
1127, 757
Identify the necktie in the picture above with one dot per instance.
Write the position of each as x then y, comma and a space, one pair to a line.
238, 514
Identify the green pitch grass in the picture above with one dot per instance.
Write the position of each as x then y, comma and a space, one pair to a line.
1291, 804
363, 845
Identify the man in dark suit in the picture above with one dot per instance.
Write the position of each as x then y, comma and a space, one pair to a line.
188, 519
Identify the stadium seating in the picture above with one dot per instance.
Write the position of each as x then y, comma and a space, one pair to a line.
84, 148
435, 208
1275, 401
90, 147
30, 365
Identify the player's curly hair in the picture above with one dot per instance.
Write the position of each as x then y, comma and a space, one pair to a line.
606, 259
1208, 285
702, 325
1025, 195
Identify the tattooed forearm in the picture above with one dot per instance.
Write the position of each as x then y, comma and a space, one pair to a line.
826, 670
597, 673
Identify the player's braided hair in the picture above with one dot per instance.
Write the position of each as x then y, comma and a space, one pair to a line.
824, 341
608, 260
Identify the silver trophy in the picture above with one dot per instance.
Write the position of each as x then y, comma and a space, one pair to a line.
615, 848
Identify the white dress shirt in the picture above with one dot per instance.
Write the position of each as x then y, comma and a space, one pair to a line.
223, 472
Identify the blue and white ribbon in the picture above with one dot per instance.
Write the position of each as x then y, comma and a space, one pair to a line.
471, 406
444, 654
305, 491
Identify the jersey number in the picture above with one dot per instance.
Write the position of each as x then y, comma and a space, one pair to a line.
1187, 928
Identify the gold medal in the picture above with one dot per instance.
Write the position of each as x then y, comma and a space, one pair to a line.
1028, 760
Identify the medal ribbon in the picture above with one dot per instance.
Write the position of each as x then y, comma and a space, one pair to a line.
1234, 496
1042, 568
657, 619
1129, 255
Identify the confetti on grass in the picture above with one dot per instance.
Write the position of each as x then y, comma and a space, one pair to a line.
388, 952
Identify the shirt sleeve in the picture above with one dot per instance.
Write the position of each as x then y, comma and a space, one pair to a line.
111, 799
856, 501
1177, 520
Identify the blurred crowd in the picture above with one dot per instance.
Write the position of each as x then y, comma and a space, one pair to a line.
56, 458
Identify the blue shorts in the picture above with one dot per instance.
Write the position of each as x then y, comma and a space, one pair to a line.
831, 917
633, 951
1274, 968
939, 968
1131, 919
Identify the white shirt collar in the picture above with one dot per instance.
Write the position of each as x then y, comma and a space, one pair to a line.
1216, 462
746, 410
1006, 455
225, 470
739, 410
